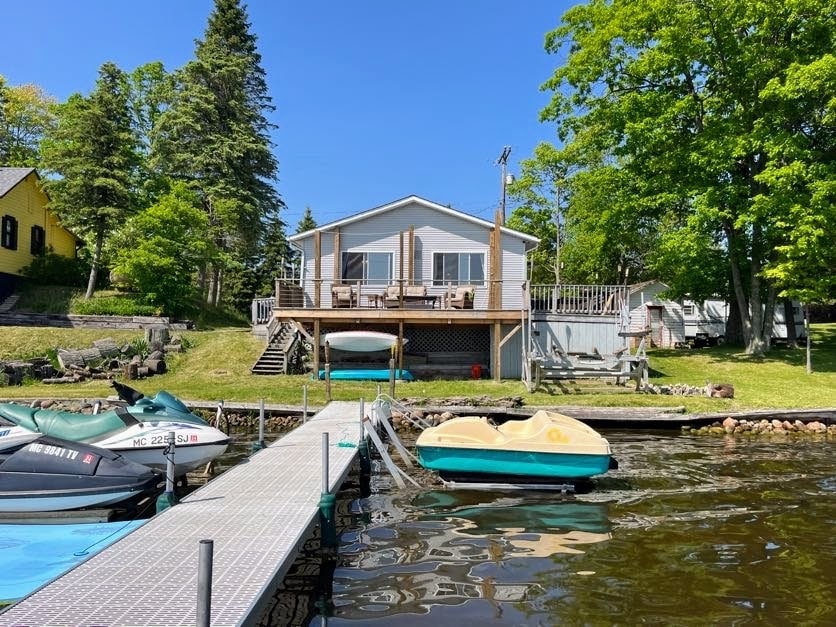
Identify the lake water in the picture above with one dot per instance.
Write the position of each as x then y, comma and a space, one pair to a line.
692, 530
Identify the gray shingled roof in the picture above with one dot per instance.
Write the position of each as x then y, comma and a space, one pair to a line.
9, 177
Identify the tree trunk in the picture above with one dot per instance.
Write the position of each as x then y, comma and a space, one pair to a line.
94, 267
789, 319
737, 287
219, 286
213, 277
734, 329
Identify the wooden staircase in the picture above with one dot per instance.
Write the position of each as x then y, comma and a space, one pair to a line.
272, 360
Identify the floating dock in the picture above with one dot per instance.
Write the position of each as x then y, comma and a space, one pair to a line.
257, 514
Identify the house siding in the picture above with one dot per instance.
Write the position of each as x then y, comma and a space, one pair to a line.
576, 334
667, 326
26, 203
434, 232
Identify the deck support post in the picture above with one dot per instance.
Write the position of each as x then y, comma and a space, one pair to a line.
327, 503
257, 446
304, 403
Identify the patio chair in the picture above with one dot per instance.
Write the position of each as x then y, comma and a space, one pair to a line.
462, 298
343, 296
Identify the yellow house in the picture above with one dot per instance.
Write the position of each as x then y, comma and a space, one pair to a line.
27, 227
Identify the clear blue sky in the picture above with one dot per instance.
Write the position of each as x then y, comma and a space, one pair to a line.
375, 99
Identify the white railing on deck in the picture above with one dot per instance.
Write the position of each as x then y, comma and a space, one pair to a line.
579, 299
262, 310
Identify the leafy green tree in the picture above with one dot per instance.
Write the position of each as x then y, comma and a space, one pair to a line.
26, 113
160, 249
685, 100
4, 137
92, 150
215, 136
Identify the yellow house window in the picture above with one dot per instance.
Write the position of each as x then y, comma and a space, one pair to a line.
37, 240
8, 233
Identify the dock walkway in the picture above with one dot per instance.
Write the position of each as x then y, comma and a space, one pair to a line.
258, 514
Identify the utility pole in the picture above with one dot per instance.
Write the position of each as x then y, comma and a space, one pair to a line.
503, 161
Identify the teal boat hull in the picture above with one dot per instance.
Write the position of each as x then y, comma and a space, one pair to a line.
367, 374
463, 461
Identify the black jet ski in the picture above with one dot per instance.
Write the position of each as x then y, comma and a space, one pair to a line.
51, 474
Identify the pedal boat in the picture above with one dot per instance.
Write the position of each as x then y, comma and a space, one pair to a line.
548, 446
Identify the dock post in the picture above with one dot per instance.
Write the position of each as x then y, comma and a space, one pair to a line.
168, 498
327, 503
363, 446
257, 446
304, 403
392, 377
204, 583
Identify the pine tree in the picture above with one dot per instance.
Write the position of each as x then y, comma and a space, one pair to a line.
215, 135
307, 223
93, 152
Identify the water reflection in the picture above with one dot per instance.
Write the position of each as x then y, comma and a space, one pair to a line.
451, 547
689, 530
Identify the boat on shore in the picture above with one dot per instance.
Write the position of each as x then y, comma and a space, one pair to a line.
139, 430
360, 341
546, 447
367, 374
50, 474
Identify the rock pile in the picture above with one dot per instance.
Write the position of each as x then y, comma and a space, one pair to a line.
733, 426
713, 390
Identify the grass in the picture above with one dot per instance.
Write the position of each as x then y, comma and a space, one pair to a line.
217, 367
70, 300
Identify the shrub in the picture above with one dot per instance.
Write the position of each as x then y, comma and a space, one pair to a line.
112, 306
53, 269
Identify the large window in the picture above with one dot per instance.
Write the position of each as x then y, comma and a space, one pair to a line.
458, 268
8, 233
374, 268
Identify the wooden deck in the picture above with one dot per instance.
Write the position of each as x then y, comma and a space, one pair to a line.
257, 513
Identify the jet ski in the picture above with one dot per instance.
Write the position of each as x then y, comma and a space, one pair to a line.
139, 430
50, 474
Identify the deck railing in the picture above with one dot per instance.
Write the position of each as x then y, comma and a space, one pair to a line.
578, 299
262, 310
566, 298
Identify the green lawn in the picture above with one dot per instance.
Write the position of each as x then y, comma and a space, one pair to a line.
216, 367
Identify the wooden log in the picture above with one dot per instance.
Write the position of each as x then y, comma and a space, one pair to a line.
157, 335
91, 355
67, 358
131, 370
107, 347
143, 371
155, 366
59, 380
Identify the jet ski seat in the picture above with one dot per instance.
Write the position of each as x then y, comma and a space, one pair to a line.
78, 427
20, 415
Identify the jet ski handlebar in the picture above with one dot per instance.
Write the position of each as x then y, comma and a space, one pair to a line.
127, 393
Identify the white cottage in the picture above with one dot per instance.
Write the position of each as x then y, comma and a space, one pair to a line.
450, 283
